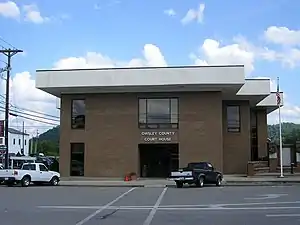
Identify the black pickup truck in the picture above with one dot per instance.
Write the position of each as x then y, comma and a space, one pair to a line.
198, 173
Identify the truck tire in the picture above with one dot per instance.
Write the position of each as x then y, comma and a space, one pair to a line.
219, 181
25, 181
54, 181
200, 182
179, 184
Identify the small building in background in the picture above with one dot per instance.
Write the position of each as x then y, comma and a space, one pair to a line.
15, 142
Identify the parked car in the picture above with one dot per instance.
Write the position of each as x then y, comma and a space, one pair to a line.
198, 173
36, 173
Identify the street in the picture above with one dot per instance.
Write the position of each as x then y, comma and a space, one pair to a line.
155, 206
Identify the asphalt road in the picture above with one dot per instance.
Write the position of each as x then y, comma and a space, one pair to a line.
155, 206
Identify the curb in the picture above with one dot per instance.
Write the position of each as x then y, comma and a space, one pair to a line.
227, 184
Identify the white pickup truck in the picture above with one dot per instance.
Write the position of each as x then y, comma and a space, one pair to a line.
36, 173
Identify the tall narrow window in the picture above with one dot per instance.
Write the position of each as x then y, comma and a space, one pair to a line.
142, 111
78, 114
77, 159
233, 119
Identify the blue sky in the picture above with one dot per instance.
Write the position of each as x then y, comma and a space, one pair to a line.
120, 29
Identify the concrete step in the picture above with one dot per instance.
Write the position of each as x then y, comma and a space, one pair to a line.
258, 164
262, 169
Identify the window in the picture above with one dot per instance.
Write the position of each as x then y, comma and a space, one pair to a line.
14, 141
77, 159
78, 114
25, 142
19, 141
158, 113
43, 168
29, 167
233, 119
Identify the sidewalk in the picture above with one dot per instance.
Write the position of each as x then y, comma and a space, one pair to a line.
229, 180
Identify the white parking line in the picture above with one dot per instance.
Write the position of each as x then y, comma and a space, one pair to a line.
232, 204
172, 206
283, 215
154, 209
104, 207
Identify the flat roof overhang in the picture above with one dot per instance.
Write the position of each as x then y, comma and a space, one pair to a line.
154, 79
270, 102
58, 91
254, 91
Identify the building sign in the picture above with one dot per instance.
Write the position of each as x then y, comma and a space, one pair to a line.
1, 128
158, 136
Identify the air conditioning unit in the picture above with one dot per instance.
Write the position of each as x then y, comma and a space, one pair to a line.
2, 141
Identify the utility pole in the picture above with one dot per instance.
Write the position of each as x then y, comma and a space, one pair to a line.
31, 145
9, 53
23, 134
36, 141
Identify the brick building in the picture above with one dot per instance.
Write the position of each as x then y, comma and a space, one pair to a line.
153, 120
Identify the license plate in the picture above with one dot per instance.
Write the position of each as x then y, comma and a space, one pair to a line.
6, 178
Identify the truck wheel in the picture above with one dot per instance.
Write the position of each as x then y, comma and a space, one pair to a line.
54, 181
179, 184
218, 181
200, 182
25, 181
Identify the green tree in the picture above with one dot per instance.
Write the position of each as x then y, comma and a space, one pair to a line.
48, 147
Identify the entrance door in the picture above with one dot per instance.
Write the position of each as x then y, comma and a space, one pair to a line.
158, 160
286, 156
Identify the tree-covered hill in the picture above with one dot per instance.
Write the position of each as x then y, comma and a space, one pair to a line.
290, 132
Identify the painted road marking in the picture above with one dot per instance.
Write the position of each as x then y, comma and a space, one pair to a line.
283, 215
176, 208
233, 204
154, 209
266, 196
104, 207
173, 206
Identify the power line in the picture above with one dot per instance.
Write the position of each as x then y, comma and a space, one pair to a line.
16, 115
27, 114
7, 43
33, 111
35, 126
30, 110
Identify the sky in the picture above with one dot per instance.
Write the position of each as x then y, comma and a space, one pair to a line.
264, 35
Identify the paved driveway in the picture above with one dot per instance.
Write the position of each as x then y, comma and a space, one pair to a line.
144, 206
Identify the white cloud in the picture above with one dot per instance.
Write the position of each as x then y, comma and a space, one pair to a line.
289, 113
9, 9
282, 36
212, 53
170, 12
29, 13
152, 57
32, 14
288, 41
194, 15
25, 95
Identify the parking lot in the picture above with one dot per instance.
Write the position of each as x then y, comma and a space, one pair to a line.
144, 206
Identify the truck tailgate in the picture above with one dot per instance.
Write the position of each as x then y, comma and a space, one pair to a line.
182, 174
6, 173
